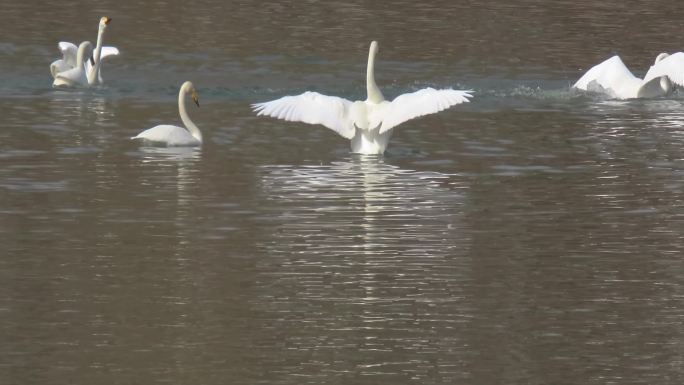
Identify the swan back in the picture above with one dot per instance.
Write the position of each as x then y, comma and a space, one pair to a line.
169, 135
611, 77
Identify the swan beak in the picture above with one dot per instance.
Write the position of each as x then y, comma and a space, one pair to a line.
195, 98
107, 20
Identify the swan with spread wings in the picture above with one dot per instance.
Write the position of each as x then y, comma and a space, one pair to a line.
368, 124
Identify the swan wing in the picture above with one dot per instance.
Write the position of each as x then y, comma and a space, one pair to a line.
68, 60
68, 51
672, 67
109, 51
408, 106
106, 52
609, 75
313, 108
58, 66
169, 135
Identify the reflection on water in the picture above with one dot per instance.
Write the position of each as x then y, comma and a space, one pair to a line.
368, 201
154, 154
85, 105
364, 256
173, 172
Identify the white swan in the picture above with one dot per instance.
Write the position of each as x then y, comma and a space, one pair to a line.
77, 75
614, 79
367, 123
69, 53
174, 135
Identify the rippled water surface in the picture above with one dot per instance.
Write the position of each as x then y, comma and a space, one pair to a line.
533, 236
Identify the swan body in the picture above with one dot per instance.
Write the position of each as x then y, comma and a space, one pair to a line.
92, 66
613, 78
173, 135
75, 76
369, 123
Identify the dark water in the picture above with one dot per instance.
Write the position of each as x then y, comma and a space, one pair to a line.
534, 236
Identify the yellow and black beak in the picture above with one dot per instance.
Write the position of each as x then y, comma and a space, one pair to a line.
195, 97
108, 20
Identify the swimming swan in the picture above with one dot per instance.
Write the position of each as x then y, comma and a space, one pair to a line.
613, 78
77, 75
367, 123
69, 53
174, 135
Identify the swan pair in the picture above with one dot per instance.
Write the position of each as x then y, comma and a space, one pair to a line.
614, 79
368, 124
77, 69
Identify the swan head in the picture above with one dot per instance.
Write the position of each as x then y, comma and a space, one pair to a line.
373, 47
104, 21
83, 48
188, 87
661, 56
85, 45
195, 97
665, 82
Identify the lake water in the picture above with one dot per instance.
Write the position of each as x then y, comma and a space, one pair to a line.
533, 236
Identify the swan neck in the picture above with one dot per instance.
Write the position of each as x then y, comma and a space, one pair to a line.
666, 84
189, 125
95, 71
81, 53
374, 94
98, 45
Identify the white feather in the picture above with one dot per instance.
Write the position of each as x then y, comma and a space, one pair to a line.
313, 108
423, 102
613, 67
68, 50
68, 60
672, 67
106, 52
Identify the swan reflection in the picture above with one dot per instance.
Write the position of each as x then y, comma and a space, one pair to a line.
372, 204
171, 174
362, 251
165, 154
